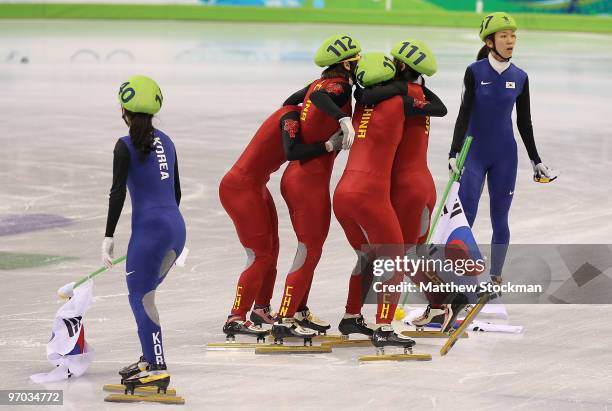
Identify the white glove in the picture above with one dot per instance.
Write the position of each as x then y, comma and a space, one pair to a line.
107, 252
334, 143
67, 291
542, 173
348, 132
452, 164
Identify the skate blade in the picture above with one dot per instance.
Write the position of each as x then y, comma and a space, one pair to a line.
454, 337
320, 338
232, 346
292, 349
428, 334
396, 357
347, 343
160, 398
138, 390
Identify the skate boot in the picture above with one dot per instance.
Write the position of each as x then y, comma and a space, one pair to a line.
235, 325
262, 315
355, 324
306, 319
385, 336
454, 308
431, 315
290, 327
134, 368
154, 376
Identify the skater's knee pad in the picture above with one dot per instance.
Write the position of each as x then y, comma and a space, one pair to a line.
300, 258
261, 256
143, 307
167, 263
363, 260
148, 302
250, 257
424, 222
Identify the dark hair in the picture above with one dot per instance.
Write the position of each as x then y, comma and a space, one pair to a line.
485, 50
141, 132
408, 73
337, 70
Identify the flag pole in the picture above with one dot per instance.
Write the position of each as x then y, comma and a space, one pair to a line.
65, 292
98, 271
454, 177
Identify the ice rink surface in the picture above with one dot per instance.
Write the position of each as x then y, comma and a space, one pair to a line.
60, 120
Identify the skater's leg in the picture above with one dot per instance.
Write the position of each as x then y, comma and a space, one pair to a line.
382, 229
310, 210
429, 204
359, 281
146, 254
501, 180
267, 288
472, 183
250, 214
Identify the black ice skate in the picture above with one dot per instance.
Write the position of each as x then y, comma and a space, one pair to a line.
385, 336
355, 325
134, 368
155, 376
289, 327
235, 325
306, 319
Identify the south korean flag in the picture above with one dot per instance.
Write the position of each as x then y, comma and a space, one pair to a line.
67, 349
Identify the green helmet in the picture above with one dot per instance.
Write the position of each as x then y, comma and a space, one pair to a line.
417, 55
336, 49
374, 68
140, 94
495, 22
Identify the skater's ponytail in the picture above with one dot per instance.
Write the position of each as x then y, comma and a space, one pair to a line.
141, 132
485, 50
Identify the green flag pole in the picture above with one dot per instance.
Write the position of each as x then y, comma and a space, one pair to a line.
67, 290
98, 271
454, 177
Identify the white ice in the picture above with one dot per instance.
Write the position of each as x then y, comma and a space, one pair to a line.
60, 120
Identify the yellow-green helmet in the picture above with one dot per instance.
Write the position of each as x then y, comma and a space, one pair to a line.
140, 94
336, 49
494, 22
374, 68
417, 55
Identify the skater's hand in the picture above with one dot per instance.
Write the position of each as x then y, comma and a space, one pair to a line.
335, 142
66, 291
452, 166
348, 132
542, 173
107, 252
